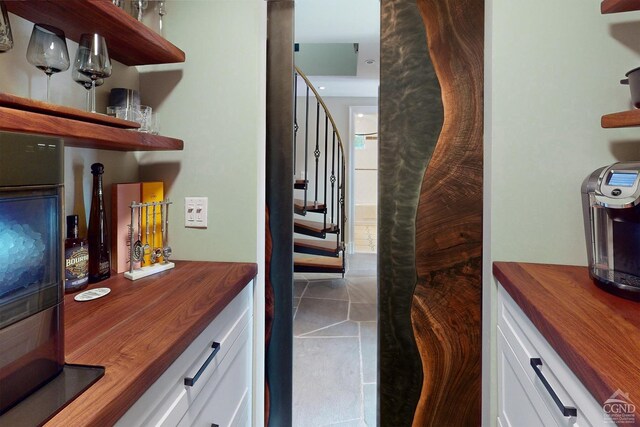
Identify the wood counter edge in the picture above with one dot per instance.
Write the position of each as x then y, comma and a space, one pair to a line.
118, 406
512, 276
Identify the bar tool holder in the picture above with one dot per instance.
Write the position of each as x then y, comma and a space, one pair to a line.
158, 256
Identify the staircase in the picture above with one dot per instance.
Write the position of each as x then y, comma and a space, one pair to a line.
318, 185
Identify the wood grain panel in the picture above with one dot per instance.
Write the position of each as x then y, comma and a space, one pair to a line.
139, 329
82, 134
595, 333
128, 40
269, 306
411, 116
446, 310
621, 119
615, 6
26, 104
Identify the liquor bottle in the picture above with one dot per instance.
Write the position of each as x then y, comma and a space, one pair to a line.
76, 257
99, 256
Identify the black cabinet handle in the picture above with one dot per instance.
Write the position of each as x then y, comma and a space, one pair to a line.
191, 381
567, 411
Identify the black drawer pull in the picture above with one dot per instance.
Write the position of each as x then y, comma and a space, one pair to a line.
567, 411
191, 381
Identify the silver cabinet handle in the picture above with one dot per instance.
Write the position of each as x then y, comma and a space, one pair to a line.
567, 411
191, 381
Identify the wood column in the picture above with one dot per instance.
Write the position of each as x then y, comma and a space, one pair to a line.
431, 127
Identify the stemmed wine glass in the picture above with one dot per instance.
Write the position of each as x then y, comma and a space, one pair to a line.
47, 51
92, 60
85, 82
140, 6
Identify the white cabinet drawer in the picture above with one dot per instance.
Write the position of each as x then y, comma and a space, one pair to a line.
226, 399
519, 405
168, 399
526, 343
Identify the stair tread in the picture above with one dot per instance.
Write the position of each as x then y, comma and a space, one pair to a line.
328, 245
319, 261
300, 184
299, 203
314, 225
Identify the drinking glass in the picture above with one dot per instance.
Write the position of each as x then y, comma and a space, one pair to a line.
47, 51
6, 39
162, 10
140, 6
92, 60
85, 82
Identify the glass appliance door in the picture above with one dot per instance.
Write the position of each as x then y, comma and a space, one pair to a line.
30, 251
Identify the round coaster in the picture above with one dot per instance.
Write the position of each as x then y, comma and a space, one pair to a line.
92, 294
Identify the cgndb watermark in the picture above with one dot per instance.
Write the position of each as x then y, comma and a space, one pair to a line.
619, 409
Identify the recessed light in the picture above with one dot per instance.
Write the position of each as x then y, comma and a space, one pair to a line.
360, 115
321, 88
369, 61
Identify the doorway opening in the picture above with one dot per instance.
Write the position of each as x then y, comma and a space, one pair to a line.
363, 135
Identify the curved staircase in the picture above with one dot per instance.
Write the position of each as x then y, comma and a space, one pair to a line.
318, 185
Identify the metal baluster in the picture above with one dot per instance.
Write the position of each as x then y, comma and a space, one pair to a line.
295, 122
306, 151
326, 137
338, 197
316, 152
333, 172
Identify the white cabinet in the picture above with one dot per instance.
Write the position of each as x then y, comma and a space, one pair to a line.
221, 391
535, 387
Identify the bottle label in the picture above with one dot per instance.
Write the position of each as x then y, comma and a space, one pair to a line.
76, 266
104, 267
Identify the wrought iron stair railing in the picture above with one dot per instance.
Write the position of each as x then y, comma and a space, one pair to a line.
324, 181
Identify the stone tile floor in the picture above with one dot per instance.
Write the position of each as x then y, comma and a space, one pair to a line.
335, 346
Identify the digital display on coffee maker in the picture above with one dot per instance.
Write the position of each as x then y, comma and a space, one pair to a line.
622, 179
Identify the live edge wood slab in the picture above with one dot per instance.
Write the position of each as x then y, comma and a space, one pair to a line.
596, 334
139, 329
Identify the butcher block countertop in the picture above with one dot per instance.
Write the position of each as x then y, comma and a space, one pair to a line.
139, 329
596, 334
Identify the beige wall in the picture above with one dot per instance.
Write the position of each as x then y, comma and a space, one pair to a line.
215, 103
552, 69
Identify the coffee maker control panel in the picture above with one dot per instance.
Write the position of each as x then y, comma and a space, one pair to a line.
619, 186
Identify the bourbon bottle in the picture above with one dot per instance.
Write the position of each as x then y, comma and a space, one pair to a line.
76, 258
99, 256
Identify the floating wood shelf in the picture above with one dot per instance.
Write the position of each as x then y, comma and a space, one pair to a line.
615, 6
622, 119
26, 104
128, 40
83, 134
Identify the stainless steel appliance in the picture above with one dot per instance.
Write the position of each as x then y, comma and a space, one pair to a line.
31, 264
611, 209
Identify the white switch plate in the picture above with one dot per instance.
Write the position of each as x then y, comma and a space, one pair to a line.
195, 212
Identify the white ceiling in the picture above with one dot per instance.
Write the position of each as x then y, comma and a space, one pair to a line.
343, 21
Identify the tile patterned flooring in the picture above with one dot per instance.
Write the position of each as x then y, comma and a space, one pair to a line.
335, 346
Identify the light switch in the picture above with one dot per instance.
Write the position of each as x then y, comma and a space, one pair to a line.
195, 212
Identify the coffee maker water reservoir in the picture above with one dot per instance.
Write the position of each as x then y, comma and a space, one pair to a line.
611, 209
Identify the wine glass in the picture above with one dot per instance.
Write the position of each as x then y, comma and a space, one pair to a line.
85, 82
140, 6
92, 60
47, 51
6, 39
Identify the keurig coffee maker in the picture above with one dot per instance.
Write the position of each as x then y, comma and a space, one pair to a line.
611, 208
